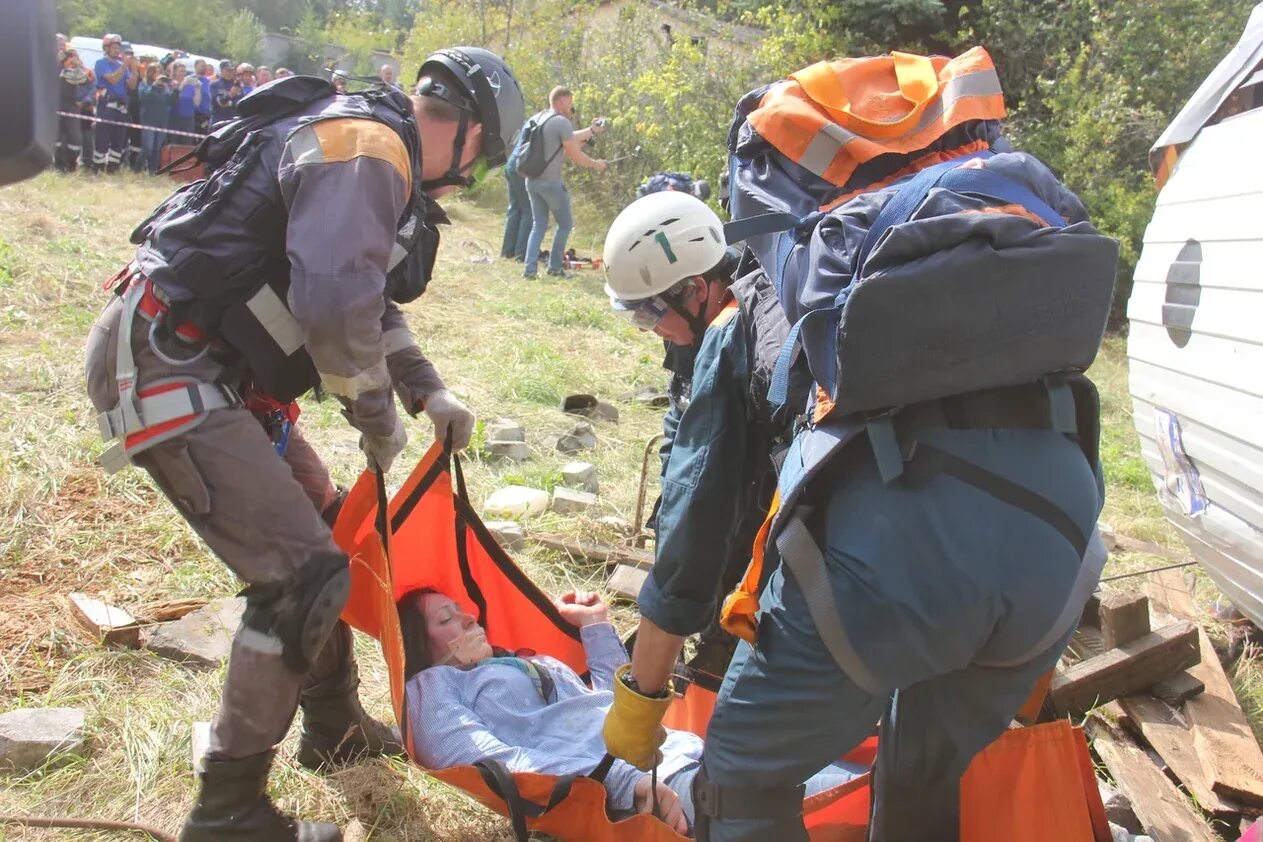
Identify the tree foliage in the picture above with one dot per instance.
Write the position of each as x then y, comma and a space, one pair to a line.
1089, 83
244, 36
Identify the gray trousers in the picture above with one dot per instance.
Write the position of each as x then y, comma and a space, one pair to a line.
258, 513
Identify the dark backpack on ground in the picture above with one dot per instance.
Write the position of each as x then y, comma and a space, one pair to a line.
531, 158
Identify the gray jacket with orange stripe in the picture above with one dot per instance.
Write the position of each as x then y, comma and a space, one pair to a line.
288, 246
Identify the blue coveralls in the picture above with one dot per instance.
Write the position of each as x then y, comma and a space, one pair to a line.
713, 457
111, 134
931, 577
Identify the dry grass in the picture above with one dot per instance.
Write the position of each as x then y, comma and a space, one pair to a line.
509, 347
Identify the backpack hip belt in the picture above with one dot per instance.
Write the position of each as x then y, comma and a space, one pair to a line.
167, 407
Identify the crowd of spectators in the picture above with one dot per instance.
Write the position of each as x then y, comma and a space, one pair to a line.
140, 104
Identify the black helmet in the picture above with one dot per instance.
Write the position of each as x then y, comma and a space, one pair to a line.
491, 92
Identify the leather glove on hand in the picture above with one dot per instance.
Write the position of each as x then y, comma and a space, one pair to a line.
633, 728
449, 414
382, 450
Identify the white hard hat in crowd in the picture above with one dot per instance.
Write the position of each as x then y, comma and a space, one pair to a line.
658, 241
110, 38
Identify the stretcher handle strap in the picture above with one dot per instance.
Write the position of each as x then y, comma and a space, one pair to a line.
500, 781
383, 514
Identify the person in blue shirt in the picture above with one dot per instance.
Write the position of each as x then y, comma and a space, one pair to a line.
188, 96
113, 80
245, 78
225, 94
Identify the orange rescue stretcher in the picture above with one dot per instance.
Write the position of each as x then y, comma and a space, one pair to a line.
1035, 784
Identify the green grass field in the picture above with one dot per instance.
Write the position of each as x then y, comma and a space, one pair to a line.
508, 347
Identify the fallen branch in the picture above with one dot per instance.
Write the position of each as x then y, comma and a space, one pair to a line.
596, 552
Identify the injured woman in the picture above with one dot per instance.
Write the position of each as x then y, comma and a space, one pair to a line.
534, 713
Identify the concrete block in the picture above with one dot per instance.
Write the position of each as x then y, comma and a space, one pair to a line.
201, 639
567, 501
580, 475
34, 737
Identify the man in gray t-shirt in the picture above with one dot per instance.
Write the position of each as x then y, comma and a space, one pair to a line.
547, 191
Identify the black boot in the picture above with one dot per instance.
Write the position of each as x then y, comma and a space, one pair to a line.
336, 730
233, 807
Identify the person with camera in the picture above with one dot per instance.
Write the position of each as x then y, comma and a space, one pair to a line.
546, 190
188, 98
115, 75
157, 98
75, 91
226, 92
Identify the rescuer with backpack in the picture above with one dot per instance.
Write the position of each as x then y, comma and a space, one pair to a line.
238, 301
934, 538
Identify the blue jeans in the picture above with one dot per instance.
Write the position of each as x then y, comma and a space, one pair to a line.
518, 218
930, 578
151, 141
547, 196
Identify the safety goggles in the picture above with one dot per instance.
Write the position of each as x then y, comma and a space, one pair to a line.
648, 313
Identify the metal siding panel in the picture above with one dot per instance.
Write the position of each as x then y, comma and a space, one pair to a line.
1225, 362
1237, 264
1233, 314
1209, 448
1237, 414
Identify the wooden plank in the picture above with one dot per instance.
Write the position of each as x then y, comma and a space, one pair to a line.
626, 581
1163, 810
1127, 669
106, 623
1221, 733
596, 552
1087, 642
1126, 543
1124, 618
1172, 738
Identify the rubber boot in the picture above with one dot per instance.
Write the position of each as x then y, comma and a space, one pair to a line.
233, 807
336, 729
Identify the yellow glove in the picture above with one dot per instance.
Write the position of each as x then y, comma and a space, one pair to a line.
633, 728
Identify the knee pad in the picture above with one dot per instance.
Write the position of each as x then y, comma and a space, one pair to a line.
301, 611
712, 802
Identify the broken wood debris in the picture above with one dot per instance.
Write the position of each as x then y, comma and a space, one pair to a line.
1221, 734
109, 625
1164, 811
596, 552
626, 581
1130, 668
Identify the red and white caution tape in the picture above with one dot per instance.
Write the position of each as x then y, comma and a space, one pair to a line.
194, 135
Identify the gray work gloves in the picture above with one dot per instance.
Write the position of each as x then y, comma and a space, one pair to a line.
382, 450
449, 415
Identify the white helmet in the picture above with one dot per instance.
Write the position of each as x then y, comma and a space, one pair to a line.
658, 241
110, 38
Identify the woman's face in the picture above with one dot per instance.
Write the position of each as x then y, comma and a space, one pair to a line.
455, 637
